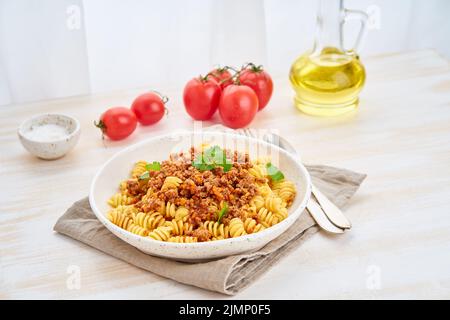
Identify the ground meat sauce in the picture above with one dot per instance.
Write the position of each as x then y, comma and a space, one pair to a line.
201, 192
202, 234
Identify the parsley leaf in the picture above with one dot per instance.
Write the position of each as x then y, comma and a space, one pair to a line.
223, 212
145, 175
227, 166
198, 160
213, 154
211, 158
154, 166
274, 173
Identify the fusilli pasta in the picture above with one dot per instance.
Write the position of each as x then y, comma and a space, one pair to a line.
182, 239
119, 219
160, 233
236, 228
139, 168
137, 230
218, 230
178, 227
183, 203
149, 221
285, 190
171, 183
119, 199
252, 226
181, 213
267, 218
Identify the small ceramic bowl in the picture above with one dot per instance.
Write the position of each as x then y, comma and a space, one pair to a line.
49, 136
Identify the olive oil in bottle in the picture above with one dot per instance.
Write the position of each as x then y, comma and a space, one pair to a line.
327, 84
328, 79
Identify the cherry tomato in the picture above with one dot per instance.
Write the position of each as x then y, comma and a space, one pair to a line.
201, 98
117, 123
222, 76
149, 108
238, 106
260, 81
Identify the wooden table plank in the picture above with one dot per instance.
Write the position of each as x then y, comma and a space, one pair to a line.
400, 137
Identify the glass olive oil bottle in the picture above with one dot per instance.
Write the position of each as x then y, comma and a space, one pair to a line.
327, 80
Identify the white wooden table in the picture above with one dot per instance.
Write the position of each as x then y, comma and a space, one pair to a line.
399, 246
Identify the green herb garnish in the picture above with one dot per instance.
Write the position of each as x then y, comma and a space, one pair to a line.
223, 212
154, 166
274, 173
211, 158
145, 175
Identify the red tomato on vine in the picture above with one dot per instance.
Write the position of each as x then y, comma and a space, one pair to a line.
238, 106
260, 81
201, 97
149, 108
117, 123
222, 75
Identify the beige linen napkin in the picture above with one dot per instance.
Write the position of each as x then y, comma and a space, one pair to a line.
227, 275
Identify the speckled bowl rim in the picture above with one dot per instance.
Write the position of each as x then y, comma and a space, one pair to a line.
249, 237
21, 129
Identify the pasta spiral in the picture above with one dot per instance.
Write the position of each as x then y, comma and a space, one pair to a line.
129, 210
248, 211
182, 239
252, 226
139, 168
214, 208
170, 210
181, 213
281, 214
119, 199
149, 221
160, 233
264, 190
285, 190
178, 227
258, 171
123, 187
257, 202
267, 218
119, 219
218, 230
263, 160
171, 183
137, 230
147, 195
273, 203
236, 228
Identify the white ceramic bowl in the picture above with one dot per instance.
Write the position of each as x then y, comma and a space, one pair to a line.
107, 179
51, 148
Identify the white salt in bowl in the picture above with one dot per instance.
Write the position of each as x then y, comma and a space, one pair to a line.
118, 168
49, 136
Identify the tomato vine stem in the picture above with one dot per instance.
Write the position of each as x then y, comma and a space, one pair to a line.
236, 72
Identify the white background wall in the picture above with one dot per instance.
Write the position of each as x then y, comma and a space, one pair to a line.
58, 48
